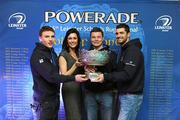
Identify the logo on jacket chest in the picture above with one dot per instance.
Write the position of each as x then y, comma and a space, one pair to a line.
41, 60
130, 63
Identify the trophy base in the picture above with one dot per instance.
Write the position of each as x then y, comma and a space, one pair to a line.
95, 64
92, 76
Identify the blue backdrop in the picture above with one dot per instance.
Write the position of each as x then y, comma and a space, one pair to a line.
156, 23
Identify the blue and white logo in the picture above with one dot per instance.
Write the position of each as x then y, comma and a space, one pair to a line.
17, 20
163, 23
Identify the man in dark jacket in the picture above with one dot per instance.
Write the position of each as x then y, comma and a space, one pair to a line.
99, 96
129, 74
46, 77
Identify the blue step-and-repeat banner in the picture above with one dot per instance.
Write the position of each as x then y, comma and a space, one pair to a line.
156, 23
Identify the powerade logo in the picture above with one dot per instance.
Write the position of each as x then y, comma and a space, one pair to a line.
17, 20
91, 17
163, 23
84, 18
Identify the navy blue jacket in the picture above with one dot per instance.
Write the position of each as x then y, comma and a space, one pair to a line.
45, 72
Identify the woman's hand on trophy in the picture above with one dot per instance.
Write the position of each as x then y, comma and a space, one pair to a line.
100, 78
89, 68
79, 64
80, 78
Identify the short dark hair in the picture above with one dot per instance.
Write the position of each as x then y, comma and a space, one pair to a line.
45, 28
97, 29
123, 25
65, 42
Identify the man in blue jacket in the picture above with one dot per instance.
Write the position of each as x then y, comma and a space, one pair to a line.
46, 77
129, 74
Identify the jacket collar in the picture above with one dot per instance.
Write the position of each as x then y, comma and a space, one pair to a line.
134, 42
105, 47
43, 47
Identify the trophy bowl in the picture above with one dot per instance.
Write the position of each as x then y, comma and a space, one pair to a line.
94, 57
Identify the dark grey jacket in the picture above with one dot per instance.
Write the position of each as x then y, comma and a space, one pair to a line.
130, 69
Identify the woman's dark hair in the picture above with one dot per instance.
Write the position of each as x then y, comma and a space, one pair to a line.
65, 43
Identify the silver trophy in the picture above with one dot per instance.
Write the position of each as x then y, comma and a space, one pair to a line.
94, 58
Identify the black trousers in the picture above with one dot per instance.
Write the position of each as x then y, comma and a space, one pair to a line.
46, 110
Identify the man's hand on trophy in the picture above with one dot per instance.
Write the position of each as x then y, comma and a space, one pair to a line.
100, 78
89, 68
80, 78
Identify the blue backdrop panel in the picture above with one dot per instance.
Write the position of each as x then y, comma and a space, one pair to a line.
157, 24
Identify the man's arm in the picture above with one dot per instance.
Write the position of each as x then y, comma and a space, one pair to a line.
131, 62
49, 72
